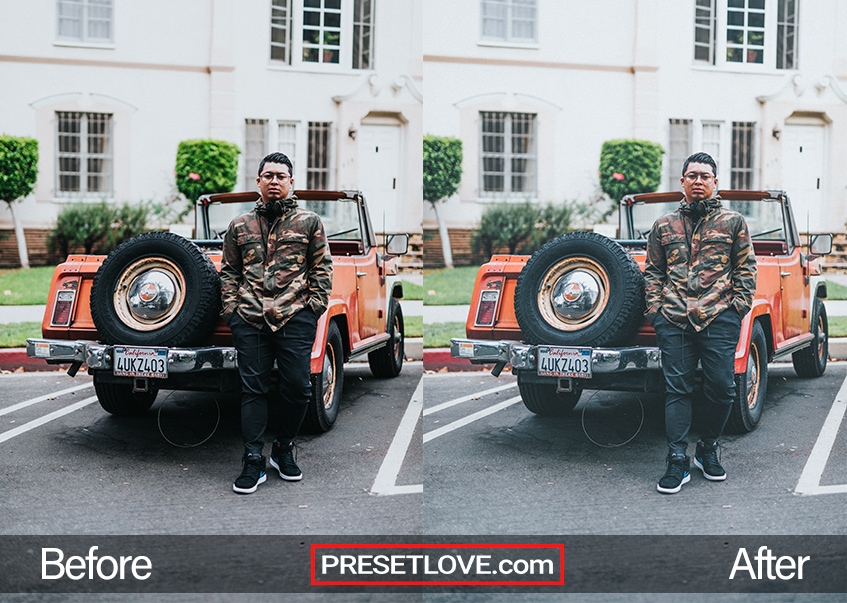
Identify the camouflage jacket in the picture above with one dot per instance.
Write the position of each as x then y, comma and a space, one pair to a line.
275, 266
697, 267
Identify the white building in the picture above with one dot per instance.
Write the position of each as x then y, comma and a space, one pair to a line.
534, 87
110, 87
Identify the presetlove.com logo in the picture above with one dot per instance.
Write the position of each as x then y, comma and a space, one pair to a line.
438, 564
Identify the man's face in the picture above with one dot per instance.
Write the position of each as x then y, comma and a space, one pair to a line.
275, 182
699, 182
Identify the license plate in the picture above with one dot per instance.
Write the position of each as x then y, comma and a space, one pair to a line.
564, 362
141, 362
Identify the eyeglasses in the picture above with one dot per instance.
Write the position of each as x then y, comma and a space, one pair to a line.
704, 176
269, 176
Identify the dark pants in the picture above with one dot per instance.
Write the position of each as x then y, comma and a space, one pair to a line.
714, 347
291, 347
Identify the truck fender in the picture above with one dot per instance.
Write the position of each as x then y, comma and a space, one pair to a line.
761, 311
339, 313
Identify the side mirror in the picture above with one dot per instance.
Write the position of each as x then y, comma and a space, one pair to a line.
821, 244
397, 244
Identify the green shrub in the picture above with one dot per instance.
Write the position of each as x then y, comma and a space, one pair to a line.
18, 167
96, 227
442, 167
519, 227
630, 166
206, 166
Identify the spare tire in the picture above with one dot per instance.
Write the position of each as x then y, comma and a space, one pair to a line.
580, 289
156, 289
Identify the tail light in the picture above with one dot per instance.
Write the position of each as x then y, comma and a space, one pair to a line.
63, 307
487, 308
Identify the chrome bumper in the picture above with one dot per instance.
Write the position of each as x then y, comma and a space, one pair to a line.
523, 356
99, 356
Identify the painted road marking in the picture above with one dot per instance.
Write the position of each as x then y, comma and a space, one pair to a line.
386, 479
431, 435
49, 396
8, 435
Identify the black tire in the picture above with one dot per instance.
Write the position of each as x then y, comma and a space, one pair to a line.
169, 265
811, 361
751, 387
600, 274
326, 387
387, 361
118, 399
543, 400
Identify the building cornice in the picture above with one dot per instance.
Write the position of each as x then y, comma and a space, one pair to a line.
115, 64
495, 62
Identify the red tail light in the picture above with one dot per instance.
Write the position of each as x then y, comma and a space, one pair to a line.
487, 308
62, 308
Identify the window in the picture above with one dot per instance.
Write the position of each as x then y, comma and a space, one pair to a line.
255, 145
84, 20
508, 158
317, 170
742, 154
281, 30
746, 32
786, 34
711, 141
362, 34
84, 155
305, 33
509, 21
287, 140
679, 146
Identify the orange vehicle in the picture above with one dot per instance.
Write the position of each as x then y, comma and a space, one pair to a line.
146, 317
570, 317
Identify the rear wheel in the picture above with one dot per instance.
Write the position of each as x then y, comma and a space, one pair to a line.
327, 386
119, 400
751, 386
542, 398
811, 361
388, 361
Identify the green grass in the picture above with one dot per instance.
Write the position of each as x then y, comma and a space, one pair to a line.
412, 291
21, 287
14, 335
837, 326
835, 291
438, 335
446, 287
413, 326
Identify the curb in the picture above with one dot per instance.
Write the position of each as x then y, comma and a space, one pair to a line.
15, 360
439, 359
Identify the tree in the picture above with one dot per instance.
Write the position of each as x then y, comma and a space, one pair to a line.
18, 172
442, 172
628, 167
205, 166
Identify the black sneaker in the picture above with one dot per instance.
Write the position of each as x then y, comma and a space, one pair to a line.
252, 474
678, 473
282, 459
706, 459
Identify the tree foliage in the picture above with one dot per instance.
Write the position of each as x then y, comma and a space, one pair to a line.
18, 167
519, 227
629, 167
442, 167
206, 166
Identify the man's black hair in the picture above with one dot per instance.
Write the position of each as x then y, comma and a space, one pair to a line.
700, 158
276, 158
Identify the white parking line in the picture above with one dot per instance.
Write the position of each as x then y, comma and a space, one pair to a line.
386, 479
431, 435
49, 396
8, 435
810, 479
472, 396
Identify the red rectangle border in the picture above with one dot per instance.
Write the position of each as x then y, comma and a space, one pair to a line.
559, 546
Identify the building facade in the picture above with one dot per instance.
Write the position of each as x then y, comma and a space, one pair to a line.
534, 87
110, 87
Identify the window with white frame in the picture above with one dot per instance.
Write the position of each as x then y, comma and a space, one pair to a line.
287, 140
710, 141
686, 136
317, 168
509, 21
679, 146
323, 32
83, 155
255, 147
743, 138
746, 32
508, 155
84, 21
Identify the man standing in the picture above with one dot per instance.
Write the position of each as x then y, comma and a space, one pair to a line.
276, 277
700, 278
